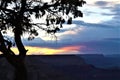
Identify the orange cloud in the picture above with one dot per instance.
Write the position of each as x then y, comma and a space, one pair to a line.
50, 51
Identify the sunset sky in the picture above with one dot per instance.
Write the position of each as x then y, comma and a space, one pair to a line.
98, 32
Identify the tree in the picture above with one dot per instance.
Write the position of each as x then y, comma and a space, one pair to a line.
16, 15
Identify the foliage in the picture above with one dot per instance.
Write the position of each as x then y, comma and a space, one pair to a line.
16, 15
13, 12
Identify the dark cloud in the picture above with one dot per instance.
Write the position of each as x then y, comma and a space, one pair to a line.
114, 13
116, 16
40, 43
113, 39
94, 24
101, 3
108, 14
88, 13
104, 46
114, 8
104, 4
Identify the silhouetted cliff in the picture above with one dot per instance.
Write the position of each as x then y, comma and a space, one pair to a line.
59, 67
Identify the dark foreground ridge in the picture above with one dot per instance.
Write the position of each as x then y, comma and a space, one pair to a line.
59, 67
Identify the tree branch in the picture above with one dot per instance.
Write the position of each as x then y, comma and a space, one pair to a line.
5, 50
8, 10
44, 7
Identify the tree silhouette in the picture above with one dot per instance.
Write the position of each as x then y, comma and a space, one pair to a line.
16, 15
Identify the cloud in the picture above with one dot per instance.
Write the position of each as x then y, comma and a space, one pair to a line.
69, 32
87, 24
94, 14
101, 3
106, 46
97, 11
116, 16
113, 6
83, 32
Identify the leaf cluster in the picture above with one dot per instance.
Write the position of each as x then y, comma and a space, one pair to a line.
16, 14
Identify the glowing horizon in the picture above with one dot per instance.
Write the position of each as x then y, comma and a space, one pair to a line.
50, 51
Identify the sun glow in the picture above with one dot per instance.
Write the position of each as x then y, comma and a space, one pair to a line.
49, 51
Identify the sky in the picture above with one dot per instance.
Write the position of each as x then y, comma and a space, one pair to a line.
98, 32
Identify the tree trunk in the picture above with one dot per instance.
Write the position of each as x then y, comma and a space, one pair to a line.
20, 68
19, 65
18, 62
20, 72
19, 44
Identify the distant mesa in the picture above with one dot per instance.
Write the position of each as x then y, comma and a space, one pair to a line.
58, 59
